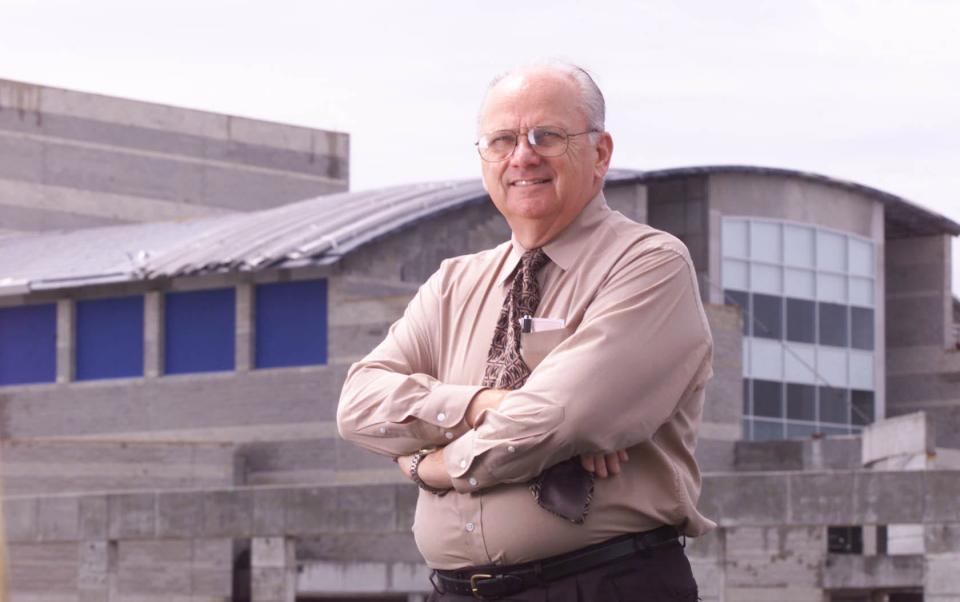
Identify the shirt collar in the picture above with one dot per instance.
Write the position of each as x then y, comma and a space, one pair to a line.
564, 249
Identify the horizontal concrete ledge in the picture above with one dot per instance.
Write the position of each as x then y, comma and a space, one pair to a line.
731, 499
834, 497
843, 571
323, 578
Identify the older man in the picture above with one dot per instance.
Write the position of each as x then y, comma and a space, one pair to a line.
546, 394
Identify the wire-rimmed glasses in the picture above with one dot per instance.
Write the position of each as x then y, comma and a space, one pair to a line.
545, 140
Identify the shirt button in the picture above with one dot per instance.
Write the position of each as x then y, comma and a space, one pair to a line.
383, 430
470, 527
472, 481
448, 435
511, 449
441, 416
463, 463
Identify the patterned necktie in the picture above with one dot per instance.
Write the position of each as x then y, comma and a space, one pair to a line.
564, 489
505, 368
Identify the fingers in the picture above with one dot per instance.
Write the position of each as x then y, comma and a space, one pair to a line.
601, 463
604, 465
613, 463
595, 464
587, 462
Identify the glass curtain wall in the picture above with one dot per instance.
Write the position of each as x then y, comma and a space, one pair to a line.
807, 296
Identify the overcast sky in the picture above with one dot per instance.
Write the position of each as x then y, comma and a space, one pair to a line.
863, 90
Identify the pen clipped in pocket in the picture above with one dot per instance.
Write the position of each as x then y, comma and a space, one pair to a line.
534, 346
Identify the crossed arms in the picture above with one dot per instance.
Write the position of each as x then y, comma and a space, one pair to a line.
640, 349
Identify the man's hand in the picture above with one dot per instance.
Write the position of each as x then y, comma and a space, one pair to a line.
431, 470
604, 465
487, 399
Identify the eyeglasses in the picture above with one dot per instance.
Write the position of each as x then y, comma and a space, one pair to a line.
546, 141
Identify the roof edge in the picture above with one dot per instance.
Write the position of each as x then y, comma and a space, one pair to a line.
948, 225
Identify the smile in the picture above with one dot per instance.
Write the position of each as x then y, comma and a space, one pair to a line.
529, 182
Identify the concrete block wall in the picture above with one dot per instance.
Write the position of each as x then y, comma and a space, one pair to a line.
775, 563
919, 297
941, 579
771, 544
180, 545
55, 467
72, 160
707, 556
923, 363
828, 453
124, 571
723, 396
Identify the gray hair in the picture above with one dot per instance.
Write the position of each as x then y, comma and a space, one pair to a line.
594, 107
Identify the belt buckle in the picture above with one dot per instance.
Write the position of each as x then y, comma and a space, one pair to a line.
473, 584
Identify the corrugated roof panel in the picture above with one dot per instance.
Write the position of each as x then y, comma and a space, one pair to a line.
318, 230
315, 231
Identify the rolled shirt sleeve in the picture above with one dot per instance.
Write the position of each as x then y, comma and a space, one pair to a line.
642, 348
391, 403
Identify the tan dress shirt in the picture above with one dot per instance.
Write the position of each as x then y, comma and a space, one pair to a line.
626, 370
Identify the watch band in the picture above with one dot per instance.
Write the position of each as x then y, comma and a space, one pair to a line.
415, 474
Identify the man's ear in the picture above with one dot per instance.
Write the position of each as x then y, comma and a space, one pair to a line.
604, 152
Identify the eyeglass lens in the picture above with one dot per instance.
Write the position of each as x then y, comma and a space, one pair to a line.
547, 142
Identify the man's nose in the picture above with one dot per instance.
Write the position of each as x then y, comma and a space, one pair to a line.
523, 153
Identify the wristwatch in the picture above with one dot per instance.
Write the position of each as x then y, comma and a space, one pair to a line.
415, 475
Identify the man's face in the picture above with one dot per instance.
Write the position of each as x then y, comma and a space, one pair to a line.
545, 193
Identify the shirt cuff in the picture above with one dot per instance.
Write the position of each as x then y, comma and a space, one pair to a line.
446, 405
467, 475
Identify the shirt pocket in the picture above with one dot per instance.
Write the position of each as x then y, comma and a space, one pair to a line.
534, 346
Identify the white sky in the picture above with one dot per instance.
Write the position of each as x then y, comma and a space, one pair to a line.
864, 90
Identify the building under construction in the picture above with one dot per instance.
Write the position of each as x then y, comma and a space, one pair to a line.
182, 293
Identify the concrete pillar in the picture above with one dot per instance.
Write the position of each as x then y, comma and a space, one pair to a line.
869, 540
66, 341
97, 571
153, 334
245, 327
714, 280
273, 570
942, 552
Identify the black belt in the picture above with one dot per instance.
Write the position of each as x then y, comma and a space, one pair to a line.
492, 582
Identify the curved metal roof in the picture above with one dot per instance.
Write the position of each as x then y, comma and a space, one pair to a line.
903, 218
315, 231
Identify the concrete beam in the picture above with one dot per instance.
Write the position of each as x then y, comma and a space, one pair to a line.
850, 571
733, 500
362, 578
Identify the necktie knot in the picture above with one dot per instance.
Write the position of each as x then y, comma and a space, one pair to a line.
533, 261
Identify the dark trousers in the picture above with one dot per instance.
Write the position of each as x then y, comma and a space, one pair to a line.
661, 575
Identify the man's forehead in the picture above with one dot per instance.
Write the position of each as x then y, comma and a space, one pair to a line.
530, 96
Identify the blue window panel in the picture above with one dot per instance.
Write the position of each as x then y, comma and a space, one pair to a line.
291, 324
28, 344
109, 338
199, 329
